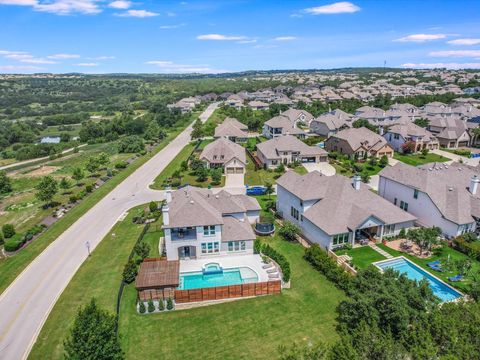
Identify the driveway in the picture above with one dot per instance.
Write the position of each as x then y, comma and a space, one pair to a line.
324, 167
27, 302
234, 183
458, 158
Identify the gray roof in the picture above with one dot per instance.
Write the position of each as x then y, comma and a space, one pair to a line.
231, 127
331, 121
339, 207
446, 185
410, 129
272, 147
294, 115
191, 206
236, 230
453, 127
361, 137
222, 150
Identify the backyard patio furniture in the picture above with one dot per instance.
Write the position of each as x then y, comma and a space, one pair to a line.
436, 268
434, 263
274, 276
267, 266
456, 278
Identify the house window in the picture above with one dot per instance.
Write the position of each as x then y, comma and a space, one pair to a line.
396, 136
210, 248
236, 246
301, 217
274, 162
388, 229
209, 230
301, 203
214, 157
415, 194
395, 201
404, 205
294, 213
340, 239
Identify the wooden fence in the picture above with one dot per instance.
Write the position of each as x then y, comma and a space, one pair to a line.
228, 292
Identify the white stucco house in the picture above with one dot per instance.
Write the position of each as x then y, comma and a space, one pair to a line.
199, 224
334, 210
437, 194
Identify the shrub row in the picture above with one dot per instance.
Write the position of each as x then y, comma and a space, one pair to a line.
150, 308
472, 249
279, 259
17, 241
320, 260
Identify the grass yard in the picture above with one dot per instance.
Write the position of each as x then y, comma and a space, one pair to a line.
12, 266
242, 329
262, 176
419, 159
348, 170
99, 277
445, 255
362, 257
215, 119
54, 130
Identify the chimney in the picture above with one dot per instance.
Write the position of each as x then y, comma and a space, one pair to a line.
474, 184
166, 216
380, 130
356, 182
168, 194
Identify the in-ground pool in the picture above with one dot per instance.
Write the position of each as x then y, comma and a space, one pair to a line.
233, 276
414, 272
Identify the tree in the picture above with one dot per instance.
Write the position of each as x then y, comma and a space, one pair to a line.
64, 183
421, 122
364, 123
103, 159
408, 147
93, 336
131, 144
77, 174
153, 131
92, 165
268, 188
197, 131
289, 231
384, 161
150, 306
201, 173
425, 238
142, 249
5, 185
130, 271
152, 206
64, 137
46, 189
216, 176
8, 230
425, 152
365, 176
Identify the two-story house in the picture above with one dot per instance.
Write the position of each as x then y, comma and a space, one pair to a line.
198, 223
281, 125
398, 135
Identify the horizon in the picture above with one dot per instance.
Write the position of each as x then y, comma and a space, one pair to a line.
215, 37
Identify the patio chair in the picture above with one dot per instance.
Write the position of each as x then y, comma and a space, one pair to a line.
456, 278
434, 263
436, 268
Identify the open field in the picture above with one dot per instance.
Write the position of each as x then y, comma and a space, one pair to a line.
243, 329
55, 130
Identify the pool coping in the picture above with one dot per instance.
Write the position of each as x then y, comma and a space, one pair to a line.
424, 270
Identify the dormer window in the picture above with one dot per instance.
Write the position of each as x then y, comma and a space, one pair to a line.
214, 157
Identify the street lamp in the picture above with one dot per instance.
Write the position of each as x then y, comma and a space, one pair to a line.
87, 244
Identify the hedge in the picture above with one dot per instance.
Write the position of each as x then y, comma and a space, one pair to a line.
279, 259
472, 249
320, 260
16, 242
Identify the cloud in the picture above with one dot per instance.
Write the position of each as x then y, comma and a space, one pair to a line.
250, 41
87, 64
442, 65
174, 26
464, 42
20, 68
120, 4
25, 57
169, 67
34, 60
67, 7
421, 37
456, 53
335, 8
219, 37
265, 46
102, 58
285, 38
137, 13
63, 56
18, 2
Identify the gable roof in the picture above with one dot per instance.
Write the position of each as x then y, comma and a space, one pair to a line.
339, 207
410, 129
272, 147
446, 185
294, 115
222, 151
361, 137
231, 127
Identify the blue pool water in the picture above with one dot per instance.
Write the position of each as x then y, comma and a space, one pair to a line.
234, 276
414, 272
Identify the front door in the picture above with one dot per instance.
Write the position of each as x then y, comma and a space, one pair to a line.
186, 251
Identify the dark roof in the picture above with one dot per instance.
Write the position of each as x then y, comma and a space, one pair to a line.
156, 273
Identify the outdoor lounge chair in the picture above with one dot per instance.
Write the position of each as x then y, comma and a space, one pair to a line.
435, 267
434, 263
456, 278
267, 266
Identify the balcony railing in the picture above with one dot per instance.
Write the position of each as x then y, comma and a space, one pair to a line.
184, 236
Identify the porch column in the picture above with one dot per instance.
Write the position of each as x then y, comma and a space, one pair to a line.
381, 232
353, 238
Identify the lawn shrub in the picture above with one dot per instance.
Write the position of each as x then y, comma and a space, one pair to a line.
257, 246
320, 260
472, 249
151, 306
289, 231
12, 245
130, 271
121, 165
141, 308
73, 199
169, 304
8, 231
88, 188
161, 305
279, 259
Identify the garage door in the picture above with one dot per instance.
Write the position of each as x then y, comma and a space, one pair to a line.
239, 170
230, 170
308, 159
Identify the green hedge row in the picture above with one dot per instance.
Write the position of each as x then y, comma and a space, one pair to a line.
472, 249
17, 241
279, 259
320, 260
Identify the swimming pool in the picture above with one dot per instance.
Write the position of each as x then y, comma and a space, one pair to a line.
414, 272
233, 276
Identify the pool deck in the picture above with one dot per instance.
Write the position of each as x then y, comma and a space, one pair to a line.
253, 261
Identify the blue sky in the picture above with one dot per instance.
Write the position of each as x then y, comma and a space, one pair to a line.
101, 36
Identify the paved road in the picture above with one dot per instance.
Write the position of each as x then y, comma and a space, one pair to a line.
25, 162
25, 305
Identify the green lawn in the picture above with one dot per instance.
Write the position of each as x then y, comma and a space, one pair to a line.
445, 255
99, 277
362, 256
54, 130
419, 159
243, 329
215, 119
12, 266
348, 172
262, 176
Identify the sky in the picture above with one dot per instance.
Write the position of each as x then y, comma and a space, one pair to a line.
146, 36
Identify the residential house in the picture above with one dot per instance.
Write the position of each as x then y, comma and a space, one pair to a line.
450, 131
437, 194
288, 149
329, 124
258, 105
234, 101
298, 116
225, 154
359, 143
198, 223
233, 130
398, 135
282, 125
333, 211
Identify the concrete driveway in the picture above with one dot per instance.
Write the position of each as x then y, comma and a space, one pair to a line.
234, 183
373, 183
27, 302
324, 167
